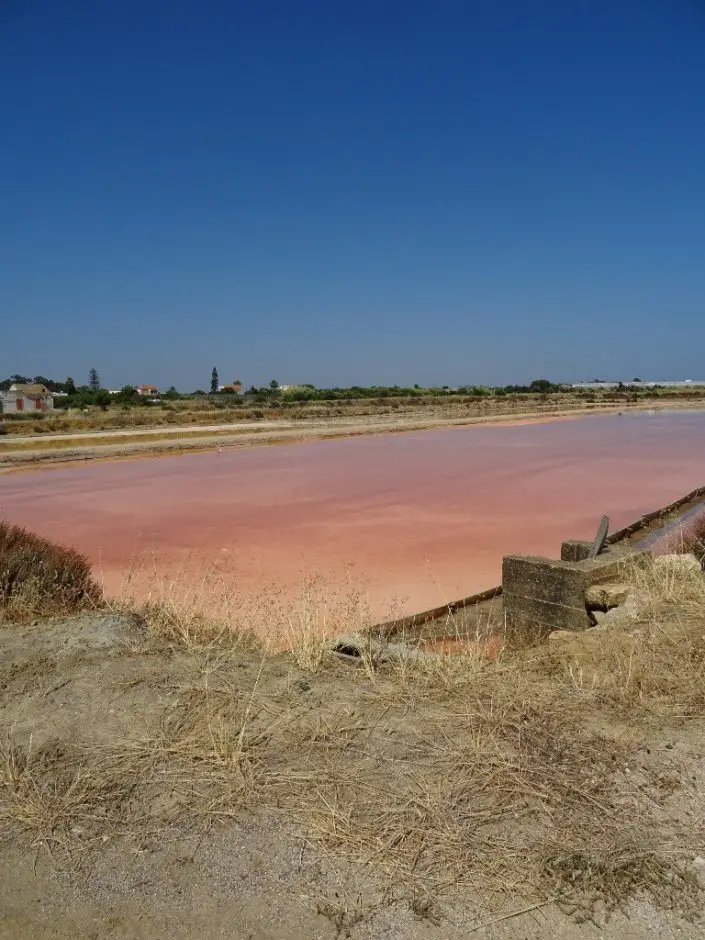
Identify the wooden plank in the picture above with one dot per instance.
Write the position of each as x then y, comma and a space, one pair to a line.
600, 538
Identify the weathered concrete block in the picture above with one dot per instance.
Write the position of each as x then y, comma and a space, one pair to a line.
541, 595
575, 550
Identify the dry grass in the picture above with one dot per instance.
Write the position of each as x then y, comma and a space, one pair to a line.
98, 440
528, 775
690, 537
654, 666
504, 788
207, 412
200, 607
41, 578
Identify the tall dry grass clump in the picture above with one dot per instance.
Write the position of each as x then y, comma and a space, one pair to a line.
206, 603
42, 578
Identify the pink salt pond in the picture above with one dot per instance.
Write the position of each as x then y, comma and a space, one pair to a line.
418, 518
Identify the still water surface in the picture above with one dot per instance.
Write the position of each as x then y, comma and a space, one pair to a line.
424, 517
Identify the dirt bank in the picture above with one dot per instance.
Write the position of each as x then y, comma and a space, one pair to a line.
19, 452
153, 790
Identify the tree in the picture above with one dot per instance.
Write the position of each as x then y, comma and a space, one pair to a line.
102, 398
214, 381
128, 395
637, 379
70, 386
542, 385
93, 380
171, 393
274, 385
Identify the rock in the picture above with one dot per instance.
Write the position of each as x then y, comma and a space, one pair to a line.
357, 646
677, 564
634, 605
607, 595
558, 635
633, 608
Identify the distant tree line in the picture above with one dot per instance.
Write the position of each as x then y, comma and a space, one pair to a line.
32, 380
308, 392
93, 394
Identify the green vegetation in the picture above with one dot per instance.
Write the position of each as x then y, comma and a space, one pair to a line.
309, 392
53, 386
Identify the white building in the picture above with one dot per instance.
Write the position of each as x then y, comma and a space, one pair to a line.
26, 398
609, 386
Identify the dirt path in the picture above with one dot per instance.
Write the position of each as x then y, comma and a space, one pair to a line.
142, 431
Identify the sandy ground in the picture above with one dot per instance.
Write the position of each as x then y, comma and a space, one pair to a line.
95, 681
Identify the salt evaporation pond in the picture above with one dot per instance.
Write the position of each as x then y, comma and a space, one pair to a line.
425, 516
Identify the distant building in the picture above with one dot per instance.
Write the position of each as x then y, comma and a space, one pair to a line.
26, 398
234, 388
147, 390
609, 386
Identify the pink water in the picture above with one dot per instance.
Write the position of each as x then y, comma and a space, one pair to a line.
425, 516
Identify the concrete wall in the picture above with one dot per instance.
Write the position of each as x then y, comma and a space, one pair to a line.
541, 595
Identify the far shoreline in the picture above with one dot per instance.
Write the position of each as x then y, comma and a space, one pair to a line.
173, 446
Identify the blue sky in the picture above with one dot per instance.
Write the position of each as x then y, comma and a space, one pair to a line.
352, 192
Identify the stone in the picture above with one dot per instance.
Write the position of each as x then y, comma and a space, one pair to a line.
608, 595
635, 605
633, 608
355, 646
556, 636
677, 564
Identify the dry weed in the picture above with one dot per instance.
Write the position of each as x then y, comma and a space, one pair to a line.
41, 578
200, 606
653, 665
438, 773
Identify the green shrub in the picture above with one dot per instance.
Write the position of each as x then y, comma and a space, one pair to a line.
39, 577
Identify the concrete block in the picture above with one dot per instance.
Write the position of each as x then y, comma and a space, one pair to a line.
575, 550
541, 595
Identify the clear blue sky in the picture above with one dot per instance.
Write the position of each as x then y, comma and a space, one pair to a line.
375, 191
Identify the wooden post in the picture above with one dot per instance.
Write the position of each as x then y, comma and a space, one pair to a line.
600, 538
